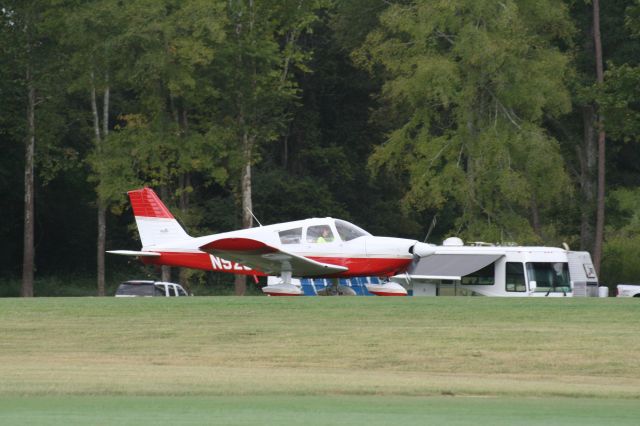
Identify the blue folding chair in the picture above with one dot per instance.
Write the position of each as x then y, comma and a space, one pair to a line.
368, 280
308, 287
319, 283
357, 286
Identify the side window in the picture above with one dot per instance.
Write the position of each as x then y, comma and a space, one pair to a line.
291, 236
515, 277
172, 290
485, 276
319, 234
159, 291
181, 292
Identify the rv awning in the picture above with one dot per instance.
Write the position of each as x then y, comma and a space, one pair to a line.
451, 266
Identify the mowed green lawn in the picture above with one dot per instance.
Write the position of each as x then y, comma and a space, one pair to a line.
229, 360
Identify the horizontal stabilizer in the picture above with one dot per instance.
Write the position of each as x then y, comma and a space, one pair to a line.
134, 253
271, 260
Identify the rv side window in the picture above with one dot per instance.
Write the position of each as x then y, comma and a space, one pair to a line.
485, 276
515, 277
291, 236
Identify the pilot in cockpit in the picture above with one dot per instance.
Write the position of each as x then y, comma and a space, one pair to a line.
326, 236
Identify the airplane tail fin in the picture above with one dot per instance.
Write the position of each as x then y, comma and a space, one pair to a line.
156, 224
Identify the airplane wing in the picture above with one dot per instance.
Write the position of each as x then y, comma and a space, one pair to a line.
134, 253
270, 260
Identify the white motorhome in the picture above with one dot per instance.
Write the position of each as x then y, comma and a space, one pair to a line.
489, 270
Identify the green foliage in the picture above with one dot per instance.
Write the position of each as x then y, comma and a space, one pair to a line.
632, 18
280, 199
159, 51
468, 84
255, 69
619, 101
134, 157
622, 247
620, 261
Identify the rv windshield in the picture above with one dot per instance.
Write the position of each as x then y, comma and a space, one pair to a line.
549, 276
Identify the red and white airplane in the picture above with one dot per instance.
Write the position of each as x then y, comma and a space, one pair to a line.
319, 247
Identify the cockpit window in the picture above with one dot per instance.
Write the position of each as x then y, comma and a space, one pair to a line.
319, 234
291, 236
348, 231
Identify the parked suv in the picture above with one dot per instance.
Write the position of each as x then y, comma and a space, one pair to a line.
149, 288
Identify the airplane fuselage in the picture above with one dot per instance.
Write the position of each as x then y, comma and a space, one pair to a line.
363, 255
318, 247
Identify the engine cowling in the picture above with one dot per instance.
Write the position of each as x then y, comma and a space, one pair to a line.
423, 249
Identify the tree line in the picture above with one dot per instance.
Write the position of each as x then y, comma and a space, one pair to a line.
512, 121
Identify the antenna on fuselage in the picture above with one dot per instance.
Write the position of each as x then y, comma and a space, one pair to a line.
433, 225
254, 216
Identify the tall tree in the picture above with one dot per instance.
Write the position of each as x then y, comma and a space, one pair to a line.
597, 246
467, 85
22, 20
615, 97
91, 31
28, 259
170, 130
12, 114
34, 56
256, 68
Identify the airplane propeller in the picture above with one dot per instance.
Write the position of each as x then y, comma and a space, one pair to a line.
422, 249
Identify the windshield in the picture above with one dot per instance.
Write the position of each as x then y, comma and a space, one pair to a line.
135, 290
349, 231
549, 276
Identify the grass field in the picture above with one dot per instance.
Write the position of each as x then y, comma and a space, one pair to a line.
251, 360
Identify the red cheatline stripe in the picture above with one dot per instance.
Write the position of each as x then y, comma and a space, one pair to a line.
146, 203
284, 294
384, 293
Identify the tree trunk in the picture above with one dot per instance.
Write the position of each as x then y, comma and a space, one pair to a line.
105, 108
101, 247
245, 183
587, 155
597, 246
247, 205
102, 209
28, 257
535, 217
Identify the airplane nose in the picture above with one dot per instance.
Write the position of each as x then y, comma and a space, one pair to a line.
423, 249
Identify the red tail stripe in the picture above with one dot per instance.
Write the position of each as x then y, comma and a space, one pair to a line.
146, 203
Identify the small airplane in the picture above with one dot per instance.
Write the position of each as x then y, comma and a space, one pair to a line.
318, 247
